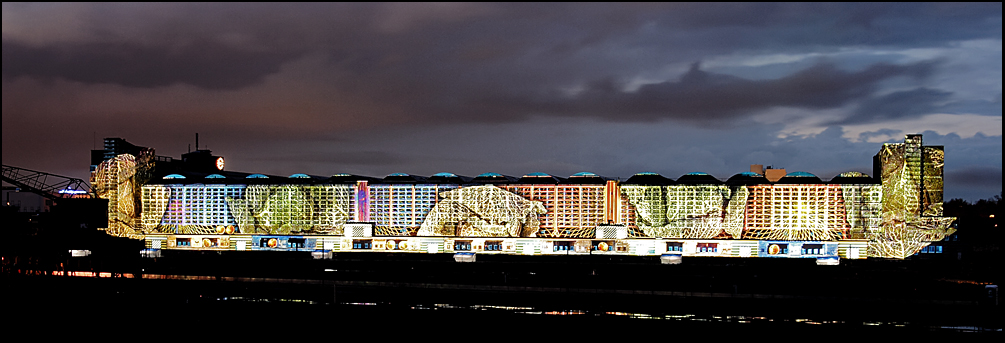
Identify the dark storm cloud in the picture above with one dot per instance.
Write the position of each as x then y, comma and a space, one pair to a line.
896, 105
426, 63
202, 64
522, 60
914, 103
708, 98
470, 88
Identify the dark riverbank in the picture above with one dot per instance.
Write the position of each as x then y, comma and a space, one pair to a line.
915, 297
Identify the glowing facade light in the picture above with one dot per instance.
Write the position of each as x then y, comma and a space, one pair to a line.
892, 215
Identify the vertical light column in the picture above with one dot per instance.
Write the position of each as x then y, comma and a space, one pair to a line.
611, 202
912, 170
362, 201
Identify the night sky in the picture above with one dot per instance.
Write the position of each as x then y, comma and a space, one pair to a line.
614, 89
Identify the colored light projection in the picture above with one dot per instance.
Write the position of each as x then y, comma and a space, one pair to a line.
911, 214
898, 216
797, 212
862, 204
817, 212
283, 209
483, 211
570, 210
401, 209
272, 209
687, 211
119, 180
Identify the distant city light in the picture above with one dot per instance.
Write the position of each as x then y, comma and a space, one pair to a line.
72, 191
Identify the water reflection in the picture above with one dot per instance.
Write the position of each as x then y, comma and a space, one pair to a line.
675, 317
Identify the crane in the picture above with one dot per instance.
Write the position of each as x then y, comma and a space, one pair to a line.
50, 186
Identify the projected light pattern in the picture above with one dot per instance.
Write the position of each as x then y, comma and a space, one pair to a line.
399, 210
863, 204
188, 209
483, 211
119, 180
892, 215
569, 210
274, 209
934, 161
686, 211
797, 212
912, 182
285, 209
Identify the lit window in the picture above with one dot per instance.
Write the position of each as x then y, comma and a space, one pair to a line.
675, 246
812, 249
493, 245
564, 246
708, 247
462, 245
362, 244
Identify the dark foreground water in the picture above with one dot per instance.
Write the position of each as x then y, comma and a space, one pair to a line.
373, 296
159, 303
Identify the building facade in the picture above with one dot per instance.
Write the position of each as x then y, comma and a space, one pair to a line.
893, 214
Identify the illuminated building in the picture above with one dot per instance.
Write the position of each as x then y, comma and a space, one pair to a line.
892, 215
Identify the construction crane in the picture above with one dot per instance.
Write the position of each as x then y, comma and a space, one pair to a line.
50, 186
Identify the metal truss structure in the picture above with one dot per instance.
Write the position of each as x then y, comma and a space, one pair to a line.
50, 186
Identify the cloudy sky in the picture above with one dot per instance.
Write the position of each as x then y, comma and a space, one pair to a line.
614, 89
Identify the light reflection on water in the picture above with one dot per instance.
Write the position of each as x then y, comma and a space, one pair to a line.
533, 311
677, 317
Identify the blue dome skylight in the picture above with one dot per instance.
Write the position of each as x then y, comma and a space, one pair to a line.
799, 174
